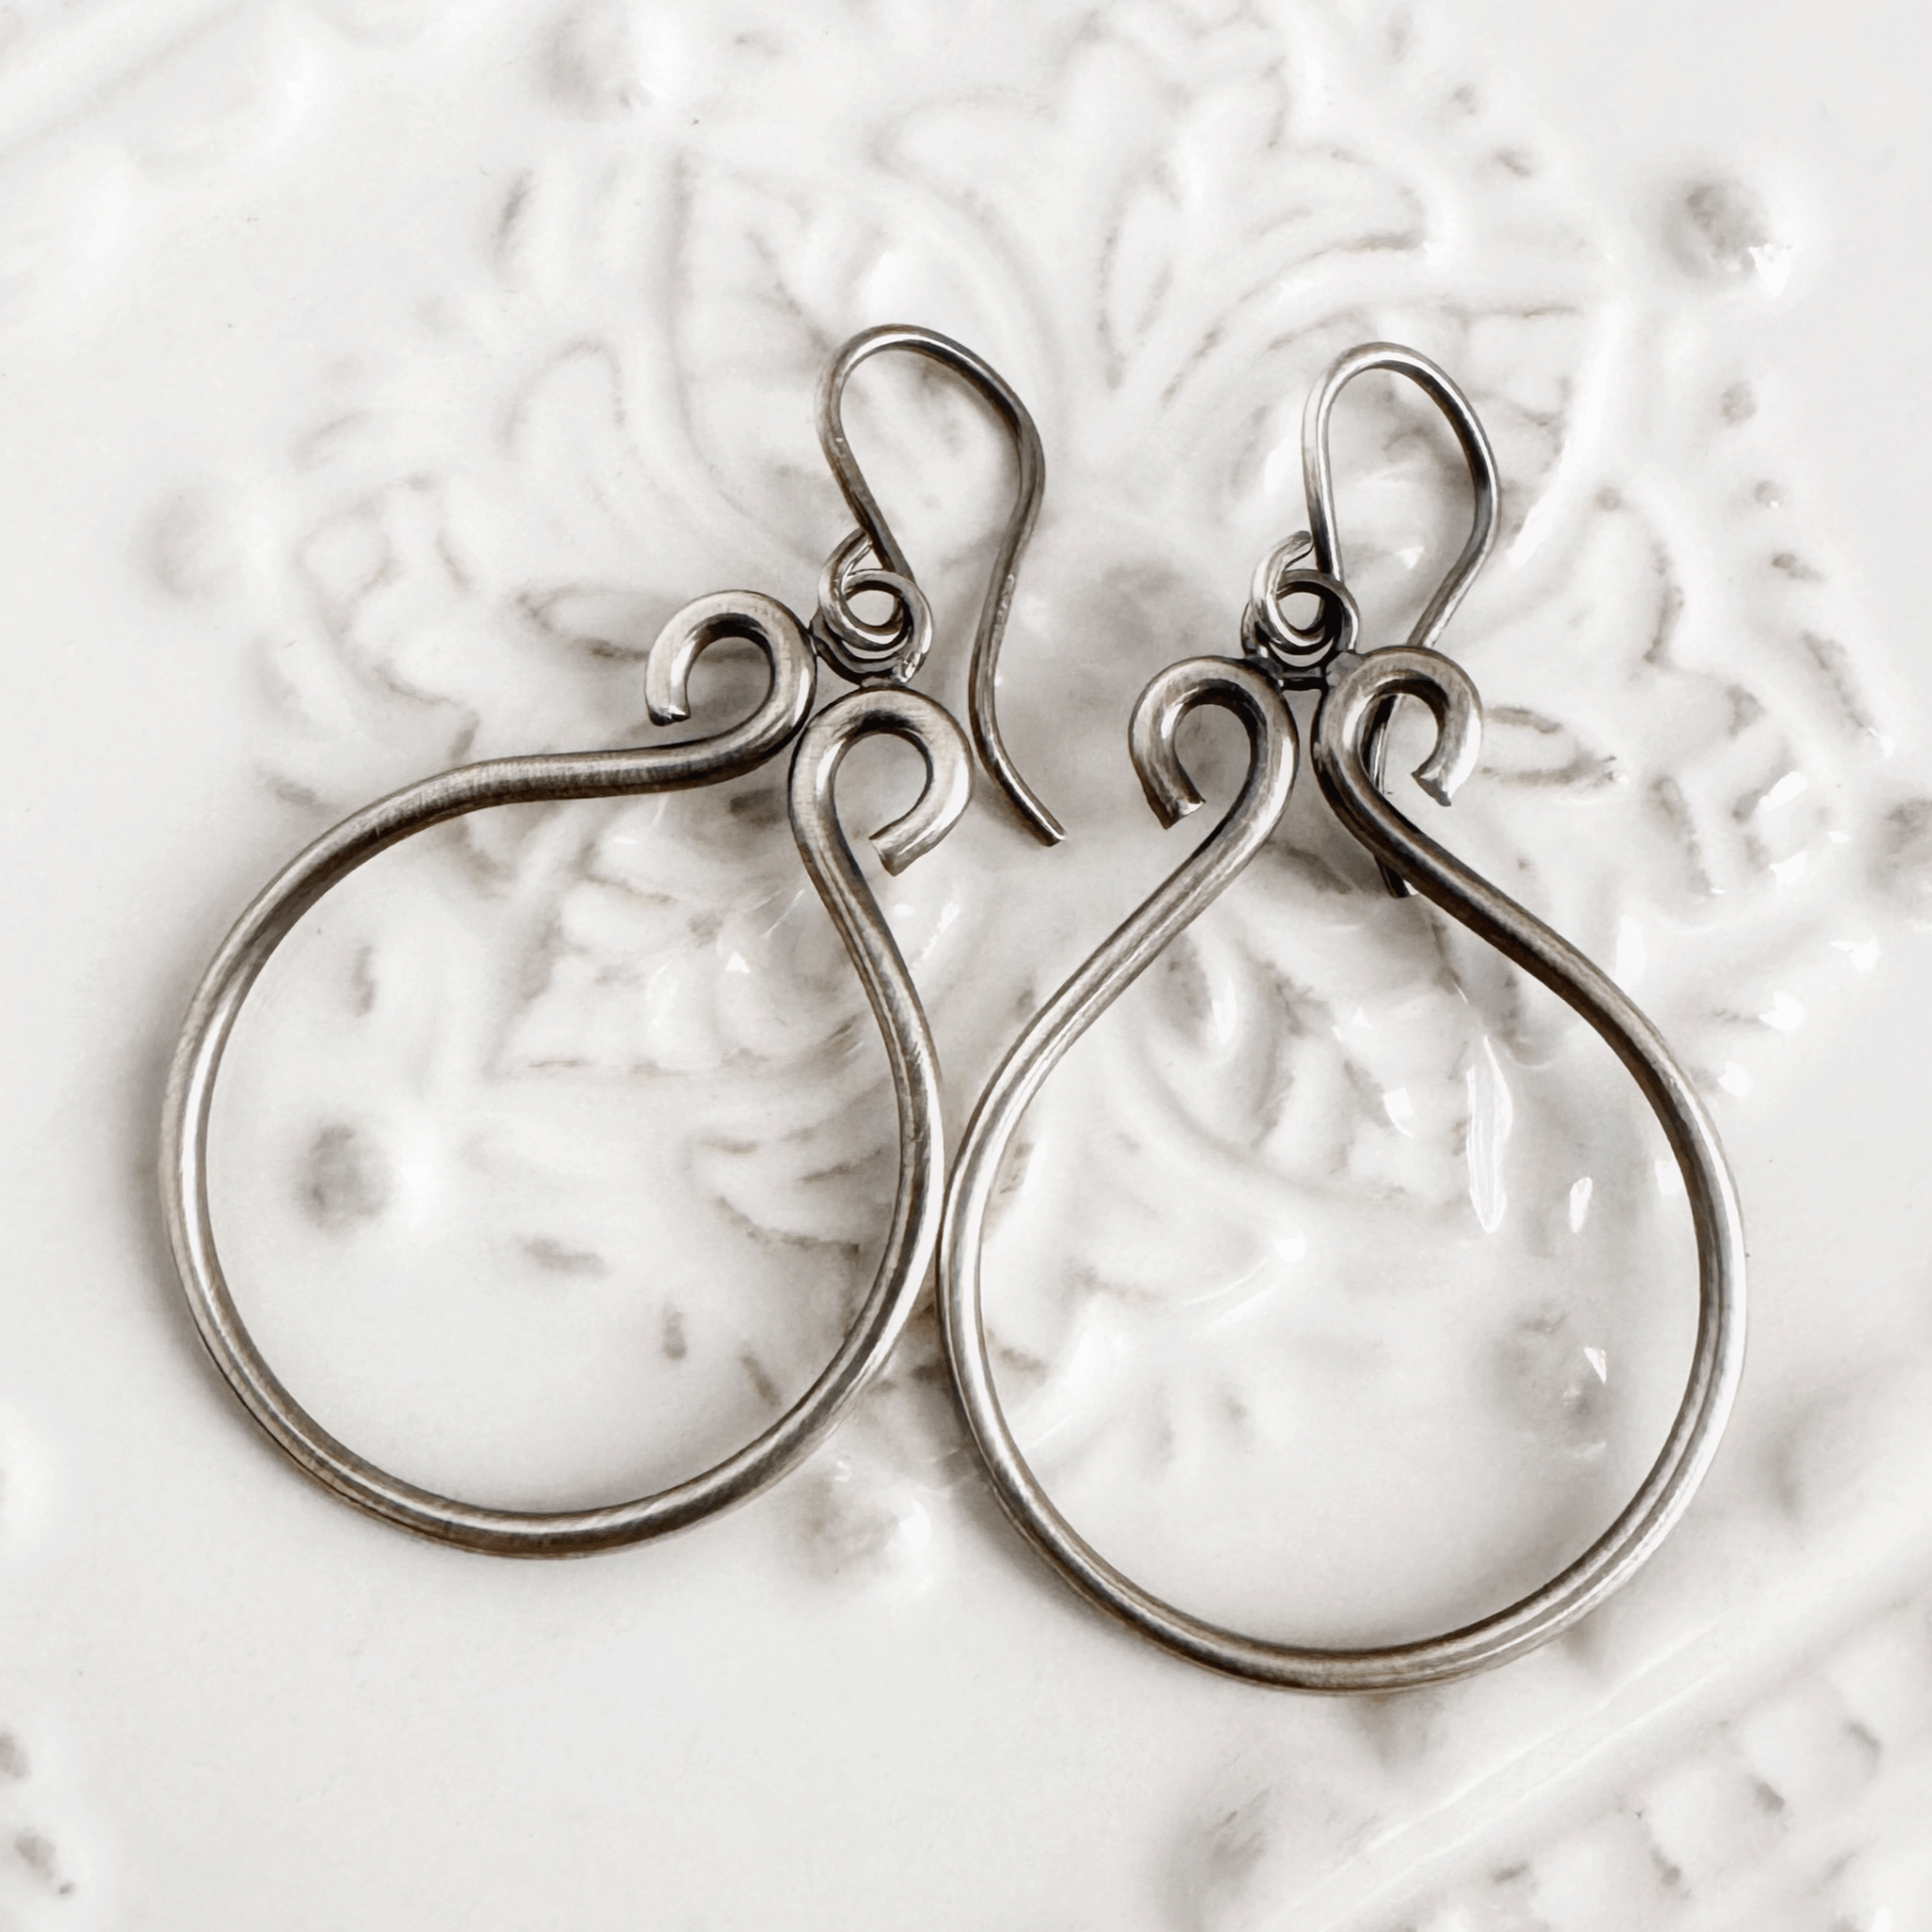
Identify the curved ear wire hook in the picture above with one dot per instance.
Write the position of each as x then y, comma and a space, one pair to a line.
1317, 472
864, 651
1319, 481
1301, 654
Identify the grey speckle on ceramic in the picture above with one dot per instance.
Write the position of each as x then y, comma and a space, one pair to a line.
389, 370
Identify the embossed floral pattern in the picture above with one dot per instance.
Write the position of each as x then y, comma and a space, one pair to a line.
1333, 1207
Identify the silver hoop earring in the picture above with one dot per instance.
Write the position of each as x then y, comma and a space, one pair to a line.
1356, 694
881, 659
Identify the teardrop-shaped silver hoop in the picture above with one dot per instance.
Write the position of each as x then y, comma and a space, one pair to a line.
1718, 1357
914, 1229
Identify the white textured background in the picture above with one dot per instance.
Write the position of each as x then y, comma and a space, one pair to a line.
378, 375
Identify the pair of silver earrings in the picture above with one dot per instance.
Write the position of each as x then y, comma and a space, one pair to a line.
931, 1216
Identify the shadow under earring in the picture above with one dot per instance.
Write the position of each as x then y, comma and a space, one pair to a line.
881, 659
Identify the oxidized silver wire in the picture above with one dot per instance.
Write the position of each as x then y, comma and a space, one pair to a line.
1357, 691
863, 650
1297, 657
887, 707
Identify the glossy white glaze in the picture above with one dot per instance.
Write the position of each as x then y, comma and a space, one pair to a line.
390, 372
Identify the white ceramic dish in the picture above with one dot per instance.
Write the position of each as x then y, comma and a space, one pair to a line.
379, 376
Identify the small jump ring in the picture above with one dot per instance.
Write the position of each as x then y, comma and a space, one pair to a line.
1295, 654
860, 650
